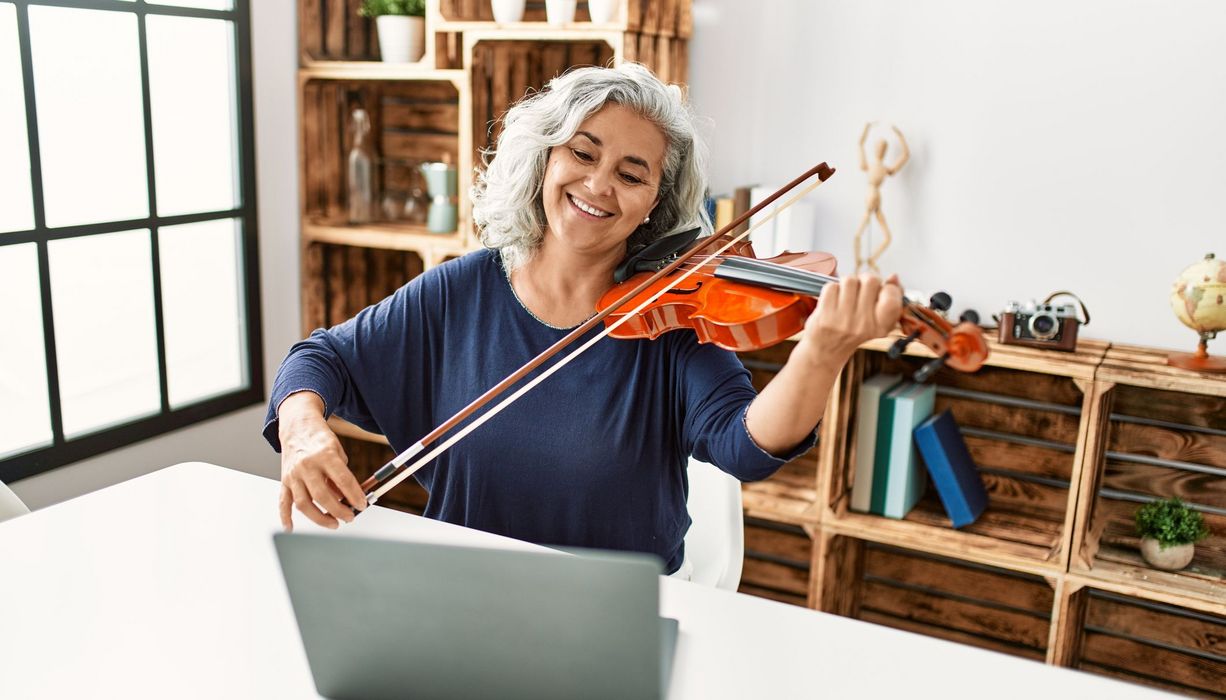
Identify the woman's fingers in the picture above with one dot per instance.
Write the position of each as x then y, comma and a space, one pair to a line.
347, 485
324, 495
287, 508
305, 504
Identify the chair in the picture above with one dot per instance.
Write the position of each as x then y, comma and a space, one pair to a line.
10, 505
715, 543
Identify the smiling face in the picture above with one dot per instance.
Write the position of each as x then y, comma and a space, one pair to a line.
600, 185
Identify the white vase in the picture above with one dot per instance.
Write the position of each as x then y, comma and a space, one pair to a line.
1171, 558
560, 12
603, 11
401, 39
508, 10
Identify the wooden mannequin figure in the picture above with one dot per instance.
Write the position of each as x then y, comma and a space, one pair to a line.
877, 173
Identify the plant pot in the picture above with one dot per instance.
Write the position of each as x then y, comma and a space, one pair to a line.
603, 11
508, 10
401, 39
1171, 558
560, 12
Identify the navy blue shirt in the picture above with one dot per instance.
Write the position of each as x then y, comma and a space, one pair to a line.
595, 456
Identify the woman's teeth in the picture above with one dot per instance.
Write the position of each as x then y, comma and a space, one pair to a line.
587, 208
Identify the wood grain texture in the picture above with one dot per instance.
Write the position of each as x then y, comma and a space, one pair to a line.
1014, 591
1134, 657
1198, 633
962, 615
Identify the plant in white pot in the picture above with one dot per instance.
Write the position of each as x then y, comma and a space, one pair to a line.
402, 28
1169, 532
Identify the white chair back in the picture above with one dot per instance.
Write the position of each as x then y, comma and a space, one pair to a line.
715, 543
10, 505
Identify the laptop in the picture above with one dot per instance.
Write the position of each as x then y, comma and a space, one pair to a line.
395, 619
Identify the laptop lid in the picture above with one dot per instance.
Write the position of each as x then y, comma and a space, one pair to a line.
393, 619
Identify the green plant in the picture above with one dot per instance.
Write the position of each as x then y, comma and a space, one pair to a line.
1171, 523
375, 8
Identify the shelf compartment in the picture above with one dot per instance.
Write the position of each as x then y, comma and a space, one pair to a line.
777, 560
984, 606
1152, 644
1024, 431
340, 281
411, 123
1162, 434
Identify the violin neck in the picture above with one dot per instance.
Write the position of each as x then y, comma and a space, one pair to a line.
772, 275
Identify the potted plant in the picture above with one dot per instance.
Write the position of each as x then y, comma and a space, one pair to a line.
506, 11
1169, 532
402, 28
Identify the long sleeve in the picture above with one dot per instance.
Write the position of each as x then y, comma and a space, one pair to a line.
717, 392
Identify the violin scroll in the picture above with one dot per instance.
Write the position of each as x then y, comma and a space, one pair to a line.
961, 346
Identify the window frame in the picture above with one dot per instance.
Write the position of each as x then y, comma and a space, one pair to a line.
62, 451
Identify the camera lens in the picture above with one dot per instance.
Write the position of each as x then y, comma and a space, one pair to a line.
1043, 326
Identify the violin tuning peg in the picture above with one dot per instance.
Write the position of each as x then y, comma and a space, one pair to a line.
900, 346
940, 301
930, 368
970, 316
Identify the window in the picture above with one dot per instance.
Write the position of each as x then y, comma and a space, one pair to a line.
128, 270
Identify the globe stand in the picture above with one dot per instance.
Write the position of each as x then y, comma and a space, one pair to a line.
1199, 361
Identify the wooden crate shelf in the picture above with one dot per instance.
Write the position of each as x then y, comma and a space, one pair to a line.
1160, 432
949, 598
1023, 416
671, 18
777, 561
1134, 639
432, 247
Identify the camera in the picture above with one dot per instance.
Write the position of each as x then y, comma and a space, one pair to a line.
1050, 326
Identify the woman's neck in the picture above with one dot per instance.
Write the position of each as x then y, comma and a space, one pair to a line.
562, 288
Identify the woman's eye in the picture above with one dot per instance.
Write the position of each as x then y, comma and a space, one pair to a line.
632, 179
582, 155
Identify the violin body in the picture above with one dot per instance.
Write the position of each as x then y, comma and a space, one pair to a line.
733, 315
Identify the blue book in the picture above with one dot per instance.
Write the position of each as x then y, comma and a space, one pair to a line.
953, 471
906, 479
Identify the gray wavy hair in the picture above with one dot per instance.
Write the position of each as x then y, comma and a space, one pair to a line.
506, 195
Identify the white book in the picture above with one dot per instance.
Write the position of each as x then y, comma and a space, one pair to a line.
763, 237
907, 476
871, 391
796, 228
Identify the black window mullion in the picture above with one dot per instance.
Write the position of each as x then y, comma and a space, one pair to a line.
249, 228
36, 190
151, 187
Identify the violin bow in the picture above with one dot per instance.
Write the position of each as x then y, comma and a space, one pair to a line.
391, 474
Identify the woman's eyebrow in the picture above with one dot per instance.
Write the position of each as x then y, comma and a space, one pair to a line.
642, 163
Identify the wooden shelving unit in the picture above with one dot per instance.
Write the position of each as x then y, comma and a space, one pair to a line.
1069, 444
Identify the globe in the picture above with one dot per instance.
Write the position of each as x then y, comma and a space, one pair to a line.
1198, 298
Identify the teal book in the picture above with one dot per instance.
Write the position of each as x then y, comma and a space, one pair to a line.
907, 478
881, 447
867, 407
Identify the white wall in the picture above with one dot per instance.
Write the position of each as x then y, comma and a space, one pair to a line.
1055, 144
234, 439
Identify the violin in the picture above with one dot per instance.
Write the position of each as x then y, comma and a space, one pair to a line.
743, 303
729, 297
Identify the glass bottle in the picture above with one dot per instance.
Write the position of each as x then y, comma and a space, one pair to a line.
361, 171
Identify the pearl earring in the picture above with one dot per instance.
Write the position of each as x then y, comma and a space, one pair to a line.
647, 219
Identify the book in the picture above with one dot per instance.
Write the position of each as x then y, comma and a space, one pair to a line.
953, 472
881, 447
867, 405
763, 237
723, 212
905, 475
740, 205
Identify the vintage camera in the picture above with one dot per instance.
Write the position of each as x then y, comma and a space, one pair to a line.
1051, 326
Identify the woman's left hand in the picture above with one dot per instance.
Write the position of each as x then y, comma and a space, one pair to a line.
849, 312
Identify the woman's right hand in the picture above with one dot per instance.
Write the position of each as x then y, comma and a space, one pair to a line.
314, 468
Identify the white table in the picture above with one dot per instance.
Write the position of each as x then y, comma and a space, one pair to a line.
167, 586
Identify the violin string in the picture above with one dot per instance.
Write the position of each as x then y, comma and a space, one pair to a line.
507, 401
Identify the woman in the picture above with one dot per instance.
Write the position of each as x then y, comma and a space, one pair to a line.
595, 456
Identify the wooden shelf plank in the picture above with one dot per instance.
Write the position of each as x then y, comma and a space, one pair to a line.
1190, 590
536, 29
1147, 367
387, 237
377, 70
1036, 559
1080, 364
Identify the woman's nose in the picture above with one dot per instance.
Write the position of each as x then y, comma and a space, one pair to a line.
599, 182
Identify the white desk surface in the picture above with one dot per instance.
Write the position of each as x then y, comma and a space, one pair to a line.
167, 586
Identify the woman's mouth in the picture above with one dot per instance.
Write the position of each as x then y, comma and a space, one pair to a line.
586, 209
